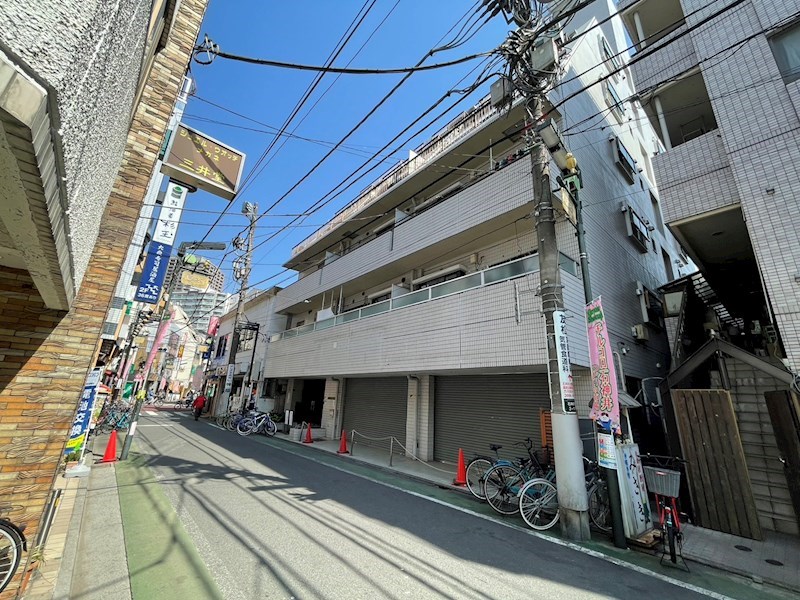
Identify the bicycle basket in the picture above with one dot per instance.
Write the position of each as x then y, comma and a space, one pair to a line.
663, 482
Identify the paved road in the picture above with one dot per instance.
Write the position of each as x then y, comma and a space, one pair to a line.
274, 524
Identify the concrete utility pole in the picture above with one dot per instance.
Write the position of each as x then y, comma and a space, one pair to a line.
532, 56
241, 272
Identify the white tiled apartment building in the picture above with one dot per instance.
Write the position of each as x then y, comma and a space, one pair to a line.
416, 311
720, 83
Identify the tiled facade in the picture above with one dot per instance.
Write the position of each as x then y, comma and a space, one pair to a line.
45, 354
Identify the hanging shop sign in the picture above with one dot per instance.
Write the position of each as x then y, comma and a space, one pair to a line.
201, 161
155, 268
80, 425
605, 409
170, 216
564, 370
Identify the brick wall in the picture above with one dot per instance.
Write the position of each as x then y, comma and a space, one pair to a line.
45, 354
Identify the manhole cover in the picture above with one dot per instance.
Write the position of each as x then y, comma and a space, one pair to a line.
743, 548
772, 561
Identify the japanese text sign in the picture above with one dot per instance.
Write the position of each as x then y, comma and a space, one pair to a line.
605, 410
564, 370
636, 515
201, 161
155, 268
170, 216
80, 425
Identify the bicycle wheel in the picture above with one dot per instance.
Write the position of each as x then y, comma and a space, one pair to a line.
538, 503
233, 421
270, 427
245, 426
599, 507
476, 473
10, 552
501, 487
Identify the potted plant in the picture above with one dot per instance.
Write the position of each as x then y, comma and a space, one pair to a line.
72, 459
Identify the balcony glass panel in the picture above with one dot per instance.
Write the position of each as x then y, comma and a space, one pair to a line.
325, 323
457, 285
412, 298
305, 329
375, 309
348, 316
290, 333
513, 269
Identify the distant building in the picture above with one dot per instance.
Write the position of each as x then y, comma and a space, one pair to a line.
216, 277
200, 305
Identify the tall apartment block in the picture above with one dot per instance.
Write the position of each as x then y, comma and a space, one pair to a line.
719, 84
417, 311
86, 93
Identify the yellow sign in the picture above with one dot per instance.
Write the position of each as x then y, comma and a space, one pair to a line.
196, 280
203, 162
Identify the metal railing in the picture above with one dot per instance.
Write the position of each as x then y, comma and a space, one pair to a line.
503, 272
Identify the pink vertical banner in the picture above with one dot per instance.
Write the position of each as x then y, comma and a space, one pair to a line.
213, 326
605, 409
163, 328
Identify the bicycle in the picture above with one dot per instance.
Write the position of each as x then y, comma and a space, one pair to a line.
261, 423
12, 543
599, 504
665, 485
477, 468
503, 482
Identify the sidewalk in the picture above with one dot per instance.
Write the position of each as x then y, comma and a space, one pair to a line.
100, 517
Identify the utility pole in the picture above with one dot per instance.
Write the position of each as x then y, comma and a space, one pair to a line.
532, 56
241, 272
572, 185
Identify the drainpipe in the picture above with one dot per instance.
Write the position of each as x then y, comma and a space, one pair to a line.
637, 22
662, 122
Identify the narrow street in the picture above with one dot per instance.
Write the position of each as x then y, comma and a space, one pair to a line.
268, 522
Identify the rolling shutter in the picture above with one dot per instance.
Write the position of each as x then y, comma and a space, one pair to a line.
376, 408
471, 412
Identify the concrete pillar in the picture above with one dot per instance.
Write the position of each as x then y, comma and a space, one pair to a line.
637, 22
425, 418
332, 408
662, 122
294, 387
412, 415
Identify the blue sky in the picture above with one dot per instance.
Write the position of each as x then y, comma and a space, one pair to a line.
283, 31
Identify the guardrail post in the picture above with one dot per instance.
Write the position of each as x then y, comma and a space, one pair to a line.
391, 450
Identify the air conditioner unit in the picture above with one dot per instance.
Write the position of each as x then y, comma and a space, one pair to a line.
640, 332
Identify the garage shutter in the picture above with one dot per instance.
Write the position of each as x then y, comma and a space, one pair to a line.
376, 407
471, 412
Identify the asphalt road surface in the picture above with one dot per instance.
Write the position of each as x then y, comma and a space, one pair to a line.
270, 523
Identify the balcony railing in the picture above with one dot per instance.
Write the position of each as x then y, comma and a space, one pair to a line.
504, 272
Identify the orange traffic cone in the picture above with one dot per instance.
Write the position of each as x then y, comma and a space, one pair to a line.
110, 454
343, 444
461, 474
308, 439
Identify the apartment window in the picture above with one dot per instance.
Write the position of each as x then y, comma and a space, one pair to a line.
609, 55
109, 329
440, 279
625, 160
786, 50
222, 347
652, 307
380, 298
246, 338
638, 230
657, 212
615, 102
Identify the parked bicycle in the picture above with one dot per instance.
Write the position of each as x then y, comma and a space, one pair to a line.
665, 484
12, 544
503, 482
597, 490
114, 417
261, 423
478, 467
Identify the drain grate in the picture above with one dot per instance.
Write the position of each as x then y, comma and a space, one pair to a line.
743, 548
772, 561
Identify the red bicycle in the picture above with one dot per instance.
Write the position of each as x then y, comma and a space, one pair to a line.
665, 484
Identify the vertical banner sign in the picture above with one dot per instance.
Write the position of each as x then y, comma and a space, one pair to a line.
155, 267
605, 410
163, 328
564, 369
80, 426
633, 492
229, 380
170, 216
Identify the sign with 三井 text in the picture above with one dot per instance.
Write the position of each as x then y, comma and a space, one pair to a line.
201, 161
564, 370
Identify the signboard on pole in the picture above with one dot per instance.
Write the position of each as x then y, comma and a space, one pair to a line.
170, 216
229, 379
606, 456
605, 410
564, 370
155, 268
80, 425
203, 162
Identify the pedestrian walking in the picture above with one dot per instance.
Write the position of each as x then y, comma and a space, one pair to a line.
198, 405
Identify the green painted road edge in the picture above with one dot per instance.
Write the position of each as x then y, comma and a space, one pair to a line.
162, 559
717, 583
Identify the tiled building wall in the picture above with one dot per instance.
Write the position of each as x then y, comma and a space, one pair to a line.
760, 124
47, 354
661, 65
